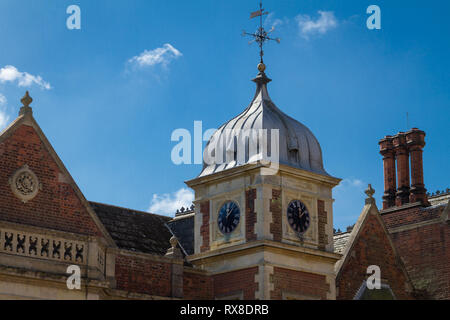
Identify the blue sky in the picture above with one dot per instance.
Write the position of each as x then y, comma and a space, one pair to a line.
110, 117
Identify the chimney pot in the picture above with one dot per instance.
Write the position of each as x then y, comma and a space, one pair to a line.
402, 157
415, 140
387, 151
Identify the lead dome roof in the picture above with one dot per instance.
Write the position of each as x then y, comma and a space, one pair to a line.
298, 147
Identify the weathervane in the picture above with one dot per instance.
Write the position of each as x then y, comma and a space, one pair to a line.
261, 35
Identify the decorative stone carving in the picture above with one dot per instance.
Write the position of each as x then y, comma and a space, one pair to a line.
25, 184
23, 243
370, 192
174, 251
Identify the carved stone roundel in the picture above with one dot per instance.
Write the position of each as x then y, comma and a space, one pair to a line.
24, 184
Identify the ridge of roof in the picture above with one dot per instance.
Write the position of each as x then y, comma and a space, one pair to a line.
131, 210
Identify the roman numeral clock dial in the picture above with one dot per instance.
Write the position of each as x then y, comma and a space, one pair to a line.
298, 216
229, 216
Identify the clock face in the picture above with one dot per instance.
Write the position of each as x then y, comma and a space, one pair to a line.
229, 216
298, 216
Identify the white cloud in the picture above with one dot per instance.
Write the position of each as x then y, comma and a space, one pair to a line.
272, 22
163, 56
168, 204
351, 183
24, 79
325, 22
4, 118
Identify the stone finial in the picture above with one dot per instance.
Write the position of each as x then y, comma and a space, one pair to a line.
174, 251
26, 101
370, 192
173, 241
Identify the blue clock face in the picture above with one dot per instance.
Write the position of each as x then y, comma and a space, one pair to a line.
229, 216
298, 216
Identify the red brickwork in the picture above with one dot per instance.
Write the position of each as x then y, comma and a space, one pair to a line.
402, 217
197, 286
425, 250
402, 157
372, 247
416, 141
306, 285
250, 215
390, 184
323, 220
204, 229
140, 275
235, 282
276, 227
56, 206
400, 149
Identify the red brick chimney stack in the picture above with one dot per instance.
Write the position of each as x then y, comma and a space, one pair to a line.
390, 186
415, 140
402, 157
396, 152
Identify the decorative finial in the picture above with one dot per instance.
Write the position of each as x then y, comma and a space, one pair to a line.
26, 101
370, 192
173, 241
261, 35
261, 67
174, 251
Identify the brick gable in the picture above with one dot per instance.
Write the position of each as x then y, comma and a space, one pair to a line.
370, 244
58, 205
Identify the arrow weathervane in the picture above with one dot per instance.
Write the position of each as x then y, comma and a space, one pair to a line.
260, 36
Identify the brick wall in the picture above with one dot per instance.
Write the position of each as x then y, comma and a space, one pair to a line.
204, 229
323, 220
276, 227
197, 286
411, 215
372, 247
234, 282
141, 275
298, 283
56, 206
425, 250
250, 215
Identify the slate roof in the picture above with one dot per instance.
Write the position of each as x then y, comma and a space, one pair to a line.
135, 230
340, 241
183, 228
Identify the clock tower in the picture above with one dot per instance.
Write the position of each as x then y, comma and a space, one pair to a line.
264, 207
